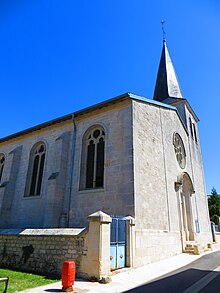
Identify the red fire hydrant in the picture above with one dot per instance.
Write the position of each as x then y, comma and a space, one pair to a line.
68, 275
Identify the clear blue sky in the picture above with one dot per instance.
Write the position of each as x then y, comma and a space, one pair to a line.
57, 57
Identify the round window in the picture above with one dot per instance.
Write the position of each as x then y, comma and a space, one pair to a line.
179, 150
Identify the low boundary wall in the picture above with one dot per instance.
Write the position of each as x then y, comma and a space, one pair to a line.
44, 250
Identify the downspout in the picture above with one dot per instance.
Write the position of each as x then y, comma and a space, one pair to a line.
71, 170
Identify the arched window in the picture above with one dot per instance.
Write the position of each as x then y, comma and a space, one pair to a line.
94, 144
2, 163
191, 127
35, 170
195, 134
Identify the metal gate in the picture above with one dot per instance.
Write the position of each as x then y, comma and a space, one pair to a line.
118, 243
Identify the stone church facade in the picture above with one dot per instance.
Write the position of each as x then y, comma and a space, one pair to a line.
128, 156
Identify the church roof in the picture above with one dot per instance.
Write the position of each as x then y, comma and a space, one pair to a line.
90, 109
167, 85
120, 99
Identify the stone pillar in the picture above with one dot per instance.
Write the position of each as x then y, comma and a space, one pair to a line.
130, 241
98, 257
58, 196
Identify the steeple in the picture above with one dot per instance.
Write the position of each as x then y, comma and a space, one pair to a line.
167, 85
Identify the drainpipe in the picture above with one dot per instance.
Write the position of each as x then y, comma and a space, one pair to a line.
71, 170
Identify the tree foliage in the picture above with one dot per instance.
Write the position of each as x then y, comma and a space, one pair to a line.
214, 206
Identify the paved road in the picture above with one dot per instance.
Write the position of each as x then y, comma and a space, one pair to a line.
202, 275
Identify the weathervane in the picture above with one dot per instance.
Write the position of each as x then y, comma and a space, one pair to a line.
163, 30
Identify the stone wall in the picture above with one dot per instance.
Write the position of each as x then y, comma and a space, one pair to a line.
116, 196
50, 208
42, 251
159, 223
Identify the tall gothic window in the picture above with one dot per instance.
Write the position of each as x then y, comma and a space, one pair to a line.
193, 130
35, 170
191, 127
94, 148
2, 163
195, 134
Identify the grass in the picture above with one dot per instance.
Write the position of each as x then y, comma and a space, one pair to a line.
19, 281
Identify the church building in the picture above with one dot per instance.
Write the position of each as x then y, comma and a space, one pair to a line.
127, 156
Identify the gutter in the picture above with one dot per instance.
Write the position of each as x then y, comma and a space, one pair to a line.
71, 170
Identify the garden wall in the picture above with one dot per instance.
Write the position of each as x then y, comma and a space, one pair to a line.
43, 251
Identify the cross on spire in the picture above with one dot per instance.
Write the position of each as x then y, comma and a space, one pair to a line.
163, 30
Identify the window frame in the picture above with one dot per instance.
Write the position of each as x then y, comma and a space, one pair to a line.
179, 149
191, 127
195, 133
2, 165
36, 170
87, 138
193, 130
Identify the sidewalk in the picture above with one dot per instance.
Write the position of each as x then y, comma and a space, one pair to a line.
127, 278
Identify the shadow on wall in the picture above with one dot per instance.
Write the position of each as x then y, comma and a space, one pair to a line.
11, 258
27, 251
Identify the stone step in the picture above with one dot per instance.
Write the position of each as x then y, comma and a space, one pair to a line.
191, 243
189, 250
189, 247
192, 247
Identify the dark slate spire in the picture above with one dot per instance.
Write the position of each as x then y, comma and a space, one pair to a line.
167, 85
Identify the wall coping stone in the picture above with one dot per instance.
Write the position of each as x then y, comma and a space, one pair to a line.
99, 217
45, 232
131, 220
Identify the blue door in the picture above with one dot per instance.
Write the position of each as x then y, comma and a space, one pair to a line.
118, 243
